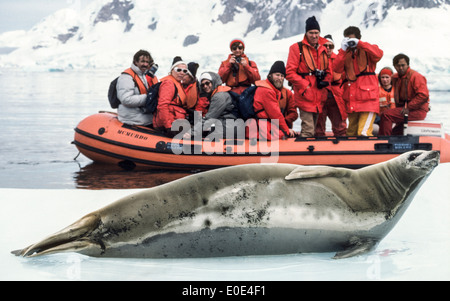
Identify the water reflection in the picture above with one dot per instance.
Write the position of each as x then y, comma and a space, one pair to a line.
103, 176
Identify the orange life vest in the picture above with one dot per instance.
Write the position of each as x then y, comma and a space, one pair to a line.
191, 92
401, 90
241, 76
283, 101
221, 89
151, 80
137, 80
387, 100
262, 83
181, 97
349, 65
336, 77
306, 55
401, 87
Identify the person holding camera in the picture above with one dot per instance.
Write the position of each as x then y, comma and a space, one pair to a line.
358, 60
132, 87
237, 71
309, 72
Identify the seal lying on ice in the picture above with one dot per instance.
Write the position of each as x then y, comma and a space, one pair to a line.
252, 209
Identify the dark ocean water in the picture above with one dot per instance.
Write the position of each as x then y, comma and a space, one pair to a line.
38, 114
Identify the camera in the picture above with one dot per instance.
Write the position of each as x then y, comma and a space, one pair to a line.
235, 66
320, 76
351, 44
151, 72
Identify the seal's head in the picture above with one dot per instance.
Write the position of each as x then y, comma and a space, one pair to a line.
425, 161
411, 168
408, 172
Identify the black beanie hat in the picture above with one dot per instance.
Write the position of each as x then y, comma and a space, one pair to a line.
278, 66
329, 38
192, 68
311, 24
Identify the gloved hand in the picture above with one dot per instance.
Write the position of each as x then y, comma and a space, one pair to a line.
352, 43
344, 45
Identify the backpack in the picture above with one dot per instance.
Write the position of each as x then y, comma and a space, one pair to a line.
245, 104
112, 91
152, 98
112, 94
235, 102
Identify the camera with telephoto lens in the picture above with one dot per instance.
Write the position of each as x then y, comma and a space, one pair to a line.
151, 72
320, 76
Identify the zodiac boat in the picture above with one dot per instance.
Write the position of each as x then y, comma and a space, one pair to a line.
103, 138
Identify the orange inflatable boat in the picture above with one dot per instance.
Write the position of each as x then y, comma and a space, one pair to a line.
103, 138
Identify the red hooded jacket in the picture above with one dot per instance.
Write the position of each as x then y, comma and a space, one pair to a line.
361, 95
308, 96
170, 106
244, 78
267, 101
417, 90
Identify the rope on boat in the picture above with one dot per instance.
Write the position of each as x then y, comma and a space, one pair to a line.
77, 156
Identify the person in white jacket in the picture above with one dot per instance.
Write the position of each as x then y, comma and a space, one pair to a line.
132, 89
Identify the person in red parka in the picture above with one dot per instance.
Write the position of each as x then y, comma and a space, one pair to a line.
266, 104
237, 71
359, 61
174, 99
334, 107
411, 98
309, 71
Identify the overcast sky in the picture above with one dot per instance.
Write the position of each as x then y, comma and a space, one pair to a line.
24, 14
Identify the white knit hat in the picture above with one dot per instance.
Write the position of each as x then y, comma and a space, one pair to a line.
205, 75
177, 61
329, 38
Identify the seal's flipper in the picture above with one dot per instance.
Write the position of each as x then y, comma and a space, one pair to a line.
74, 246
307, 172
71, 238
17, 252
357, 247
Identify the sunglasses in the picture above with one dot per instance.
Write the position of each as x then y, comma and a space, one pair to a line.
236, 47
185, 71
331, 46
205, 84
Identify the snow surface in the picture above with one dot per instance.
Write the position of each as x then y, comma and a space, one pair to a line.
416, 249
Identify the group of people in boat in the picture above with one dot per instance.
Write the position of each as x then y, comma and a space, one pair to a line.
343, 87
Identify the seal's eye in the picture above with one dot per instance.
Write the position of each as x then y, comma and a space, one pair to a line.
413, 156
